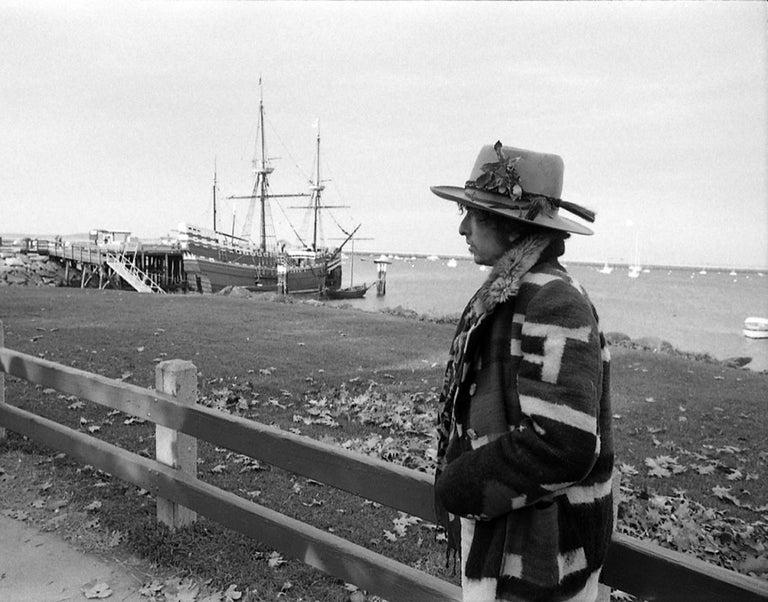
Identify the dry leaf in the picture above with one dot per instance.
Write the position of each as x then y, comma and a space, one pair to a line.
232, 594
96, 589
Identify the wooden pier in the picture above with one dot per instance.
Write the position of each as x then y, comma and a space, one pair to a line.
147, 267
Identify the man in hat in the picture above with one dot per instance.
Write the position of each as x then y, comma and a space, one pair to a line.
525, 455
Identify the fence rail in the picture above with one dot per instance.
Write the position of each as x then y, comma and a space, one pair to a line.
636, 567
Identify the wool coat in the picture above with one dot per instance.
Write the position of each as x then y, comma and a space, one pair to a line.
525, 454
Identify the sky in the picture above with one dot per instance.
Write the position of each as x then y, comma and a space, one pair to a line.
113, 115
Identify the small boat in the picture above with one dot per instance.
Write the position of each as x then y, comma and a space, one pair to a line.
606, 269
351, 292
635, 268
756, 328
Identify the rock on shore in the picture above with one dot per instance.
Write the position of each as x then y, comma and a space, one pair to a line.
30, 269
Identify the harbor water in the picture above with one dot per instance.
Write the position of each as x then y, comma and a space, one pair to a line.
694, 311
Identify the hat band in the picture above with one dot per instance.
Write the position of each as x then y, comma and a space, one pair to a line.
533, 204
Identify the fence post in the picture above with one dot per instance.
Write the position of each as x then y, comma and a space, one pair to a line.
3, 433
173, 448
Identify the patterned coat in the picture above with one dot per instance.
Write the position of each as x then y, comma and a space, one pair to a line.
525, 454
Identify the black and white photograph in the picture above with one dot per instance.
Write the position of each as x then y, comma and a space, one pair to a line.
370, 301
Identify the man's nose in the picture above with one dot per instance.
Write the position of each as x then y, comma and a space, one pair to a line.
464, 226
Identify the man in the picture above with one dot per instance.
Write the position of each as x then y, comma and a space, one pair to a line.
525, 453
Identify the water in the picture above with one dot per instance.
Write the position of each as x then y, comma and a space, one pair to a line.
693, 311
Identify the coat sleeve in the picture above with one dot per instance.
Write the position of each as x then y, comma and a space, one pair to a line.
556, 443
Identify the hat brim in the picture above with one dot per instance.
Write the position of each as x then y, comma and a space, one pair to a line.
456, 194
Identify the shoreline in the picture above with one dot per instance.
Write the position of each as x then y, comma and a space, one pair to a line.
30, 269
615, 338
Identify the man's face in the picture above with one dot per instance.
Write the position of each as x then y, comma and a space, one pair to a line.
486, 242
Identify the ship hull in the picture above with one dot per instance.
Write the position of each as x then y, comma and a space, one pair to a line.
213, 260
217, 275
205, 273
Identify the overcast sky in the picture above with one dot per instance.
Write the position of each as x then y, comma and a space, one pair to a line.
113, 115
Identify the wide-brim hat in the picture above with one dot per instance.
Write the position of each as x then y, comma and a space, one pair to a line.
519, 184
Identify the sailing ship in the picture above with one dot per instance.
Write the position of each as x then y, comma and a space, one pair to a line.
214, 259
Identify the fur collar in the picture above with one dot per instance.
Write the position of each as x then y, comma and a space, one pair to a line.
504, 279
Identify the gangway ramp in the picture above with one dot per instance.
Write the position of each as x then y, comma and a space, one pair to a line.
128, 271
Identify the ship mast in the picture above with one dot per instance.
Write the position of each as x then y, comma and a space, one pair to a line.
316, 188
261, 175
214, 195
262, 169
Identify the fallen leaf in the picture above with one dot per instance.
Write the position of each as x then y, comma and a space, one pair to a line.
180, 591
114, 539
656, 470
232, 594
275, 560
754, 564
151, 589
357, 596
704, 468
724, 493
628, 469
96, 589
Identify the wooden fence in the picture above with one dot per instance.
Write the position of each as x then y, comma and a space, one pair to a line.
643, 569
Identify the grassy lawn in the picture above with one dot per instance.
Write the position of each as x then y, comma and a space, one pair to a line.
689, 435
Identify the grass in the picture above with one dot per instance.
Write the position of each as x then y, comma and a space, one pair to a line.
271, 361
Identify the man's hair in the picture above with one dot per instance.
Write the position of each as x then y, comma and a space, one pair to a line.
509, 227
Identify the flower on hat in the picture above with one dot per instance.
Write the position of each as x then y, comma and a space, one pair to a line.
500, 177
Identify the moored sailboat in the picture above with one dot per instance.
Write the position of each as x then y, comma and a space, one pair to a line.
353, 291
606, 269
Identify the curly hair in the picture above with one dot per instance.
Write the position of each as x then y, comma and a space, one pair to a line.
512, 228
